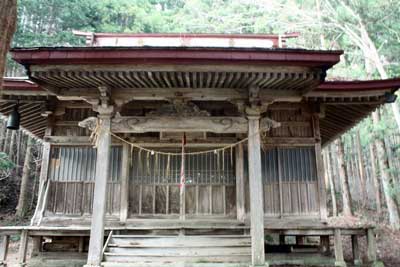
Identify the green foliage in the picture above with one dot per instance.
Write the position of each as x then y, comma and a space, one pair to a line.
5, 162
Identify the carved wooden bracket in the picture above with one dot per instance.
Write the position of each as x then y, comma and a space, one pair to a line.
141, 124
179, 107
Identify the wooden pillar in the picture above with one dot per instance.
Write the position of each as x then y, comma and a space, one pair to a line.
100, 190
43, 181
125, 182
36, 245
256, 193
339, 258
4, 250
81, 244
320, 169
371, 243
240, 208
300, 239
325, 245
356, 250
23, 248
282, 240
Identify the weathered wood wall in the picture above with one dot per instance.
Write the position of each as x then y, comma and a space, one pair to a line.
210, 184
290, 181
72, 176
290, 176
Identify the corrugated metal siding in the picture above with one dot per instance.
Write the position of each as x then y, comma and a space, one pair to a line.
78, 163
211, 168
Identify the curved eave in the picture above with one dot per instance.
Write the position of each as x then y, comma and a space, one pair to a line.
366, 85
174, 55
348, 102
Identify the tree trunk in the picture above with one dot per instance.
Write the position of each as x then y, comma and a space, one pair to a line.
375, 179
3, 131
385, 177
361, 170
347, 206
8, 20
23, 200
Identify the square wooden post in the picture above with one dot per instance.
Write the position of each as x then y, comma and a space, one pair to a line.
240, 209
124, 183
339, 258
4, 250
371, 243
325, 245
256, 193
100, 189
320, 169
43, 181
356, 250
23, 248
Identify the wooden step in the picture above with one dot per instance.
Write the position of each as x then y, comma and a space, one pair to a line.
187, 236
183, 251
160, 249
120, 258
176, 264
180, 241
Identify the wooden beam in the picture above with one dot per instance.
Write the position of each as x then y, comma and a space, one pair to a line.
289, 141
179, 124
142, 141
256, 193
125, 95
143, 124
240, 185
100, 190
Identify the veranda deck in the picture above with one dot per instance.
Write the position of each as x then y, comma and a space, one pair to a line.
80, 230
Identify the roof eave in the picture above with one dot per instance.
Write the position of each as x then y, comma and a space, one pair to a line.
174, 55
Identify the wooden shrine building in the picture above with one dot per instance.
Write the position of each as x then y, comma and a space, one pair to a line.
254, 114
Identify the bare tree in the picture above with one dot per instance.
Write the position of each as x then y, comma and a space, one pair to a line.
385, 177
329, 173
344, 179
375, 178
357, 33
361, 170
8, 21
23, 198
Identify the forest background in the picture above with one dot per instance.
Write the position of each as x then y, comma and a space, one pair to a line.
362, 167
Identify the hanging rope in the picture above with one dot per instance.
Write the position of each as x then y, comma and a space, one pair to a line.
215, 150
95, 134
